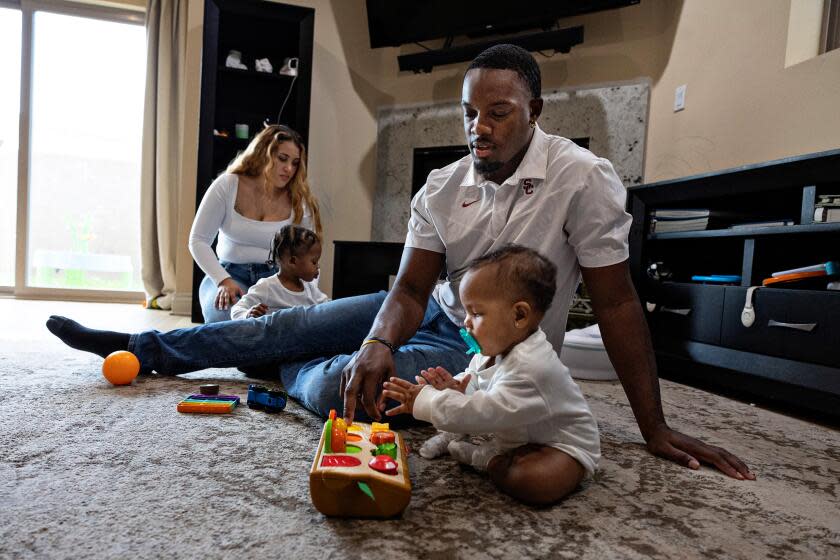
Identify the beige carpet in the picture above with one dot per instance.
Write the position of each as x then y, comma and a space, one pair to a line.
88, 470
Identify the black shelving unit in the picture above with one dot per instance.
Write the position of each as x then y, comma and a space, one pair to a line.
230, 96
364, 267
790, 355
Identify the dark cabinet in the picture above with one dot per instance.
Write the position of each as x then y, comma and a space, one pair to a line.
790, 354
792, 324
364, 267
686, 311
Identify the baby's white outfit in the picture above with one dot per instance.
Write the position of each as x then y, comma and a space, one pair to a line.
527, 396
275, 295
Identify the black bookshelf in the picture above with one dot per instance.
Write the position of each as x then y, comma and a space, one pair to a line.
790, 355
230, 96
364, 267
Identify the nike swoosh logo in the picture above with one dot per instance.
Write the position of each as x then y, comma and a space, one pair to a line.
465, 204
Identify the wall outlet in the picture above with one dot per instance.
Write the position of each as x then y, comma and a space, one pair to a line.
679, 98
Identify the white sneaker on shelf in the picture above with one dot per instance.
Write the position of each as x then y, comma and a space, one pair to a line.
234, 60
290, 67
263, 65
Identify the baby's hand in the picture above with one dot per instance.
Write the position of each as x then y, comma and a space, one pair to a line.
441, 379
403, 392
258, 310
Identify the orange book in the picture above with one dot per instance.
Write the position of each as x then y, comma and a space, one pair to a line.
792, 277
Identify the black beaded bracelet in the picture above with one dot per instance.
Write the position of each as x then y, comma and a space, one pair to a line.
372, 339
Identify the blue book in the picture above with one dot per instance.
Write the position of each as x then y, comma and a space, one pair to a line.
718, 278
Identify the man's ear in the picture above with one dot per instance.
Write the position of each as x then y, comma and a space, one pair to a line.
536, 107
292, 259
521, 314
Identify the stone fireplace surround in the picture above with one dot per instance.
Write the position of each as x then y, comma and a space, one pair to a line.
614, 118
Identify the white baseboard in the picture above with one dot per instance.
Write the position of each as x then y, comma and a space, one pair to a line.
182, 304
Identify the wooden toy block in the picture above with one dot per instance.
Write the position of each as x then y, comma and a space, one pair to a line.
357, 482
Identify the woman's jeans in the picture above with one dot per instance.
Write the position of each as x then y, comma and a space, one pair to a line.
246, 275
311, 346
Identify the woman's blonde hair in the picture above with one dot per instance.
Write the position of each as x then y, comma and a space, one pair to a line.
258, 160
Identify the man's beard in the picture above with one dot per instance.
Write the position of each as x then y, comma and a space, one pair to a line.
487, 167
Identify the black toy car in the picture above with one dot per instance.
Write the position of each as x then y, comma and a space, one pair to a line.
269, 400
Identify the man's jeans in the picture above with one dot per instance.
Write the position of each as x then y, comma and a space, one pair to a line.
312, 345
246, 275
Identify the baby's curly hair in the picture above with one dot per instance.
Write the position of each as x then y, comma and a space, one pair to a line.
291, 240
523, 273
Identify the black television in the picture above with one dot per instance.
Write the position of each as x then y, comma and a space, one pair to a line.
392, 23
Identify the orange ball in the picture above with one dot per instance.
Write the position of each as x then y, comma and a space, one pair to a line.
121, 367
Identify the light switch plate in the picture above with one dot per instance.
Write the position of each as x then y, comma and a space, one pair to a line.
679, 98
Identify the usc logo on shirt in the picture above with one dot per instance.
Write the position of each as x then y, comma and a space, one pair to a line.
527, 186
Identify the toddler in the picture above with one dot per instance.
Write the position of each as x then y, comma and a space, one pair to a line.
296, 251
516, 389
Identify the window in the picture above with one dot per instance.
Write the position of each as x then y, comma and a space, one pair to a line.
10, 39
79, 73
88, 79
830, 38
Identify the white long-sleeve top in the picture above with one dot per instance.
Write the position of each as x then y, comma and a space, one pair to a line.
241, 240
275, 295
527, 396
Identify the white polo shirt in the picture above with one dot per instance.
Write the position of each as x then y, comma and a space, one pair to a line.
562, 201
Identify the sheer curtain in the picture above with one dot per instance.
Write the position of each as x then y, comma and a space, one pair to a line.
166, 34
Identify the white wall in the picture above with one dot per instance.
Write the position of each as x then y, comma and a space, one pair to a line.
742, 105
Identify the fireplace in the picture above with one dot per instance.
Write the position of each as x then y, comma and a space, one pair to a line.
428, 159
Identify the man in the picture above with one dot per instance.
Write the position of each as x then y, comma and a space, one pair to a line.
517, 185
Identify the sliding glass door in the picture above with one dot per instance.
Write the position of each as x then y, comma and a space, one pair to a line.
80, 137
10, 40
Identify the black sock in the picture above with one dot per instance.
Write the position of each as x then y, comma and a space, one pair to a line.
76, 336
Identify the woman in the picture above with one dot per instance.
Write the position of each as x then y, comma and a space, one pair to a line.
264, 189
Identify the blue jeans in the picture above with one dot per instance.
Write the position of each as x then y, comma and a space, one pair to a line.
311, 345
246, 275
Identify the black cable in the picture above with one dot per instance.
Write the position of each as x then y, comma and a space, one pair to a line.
283, 106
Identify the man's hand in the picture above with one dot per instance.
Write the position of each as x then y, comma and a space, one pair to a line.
690, 452
441, 379
403, 392
228, 293
627, 339
258, 310
361, 378
398, 319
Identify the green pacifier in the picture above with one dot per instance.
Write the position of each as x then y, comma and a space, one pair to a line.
474, 348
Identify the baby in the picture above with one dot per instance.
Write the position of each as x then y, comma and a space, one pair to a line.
544, 437
296, 251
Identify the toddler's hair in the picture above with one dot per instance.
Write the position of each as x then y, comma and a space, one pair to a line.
523, 273
291, 240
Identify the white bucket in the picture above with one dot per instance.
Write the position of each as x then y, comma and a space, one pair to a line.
584, 354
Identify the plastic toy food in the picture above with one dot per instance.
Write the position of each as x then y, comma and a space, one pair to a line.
121, 367
378, 438
339, 436
353, 477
